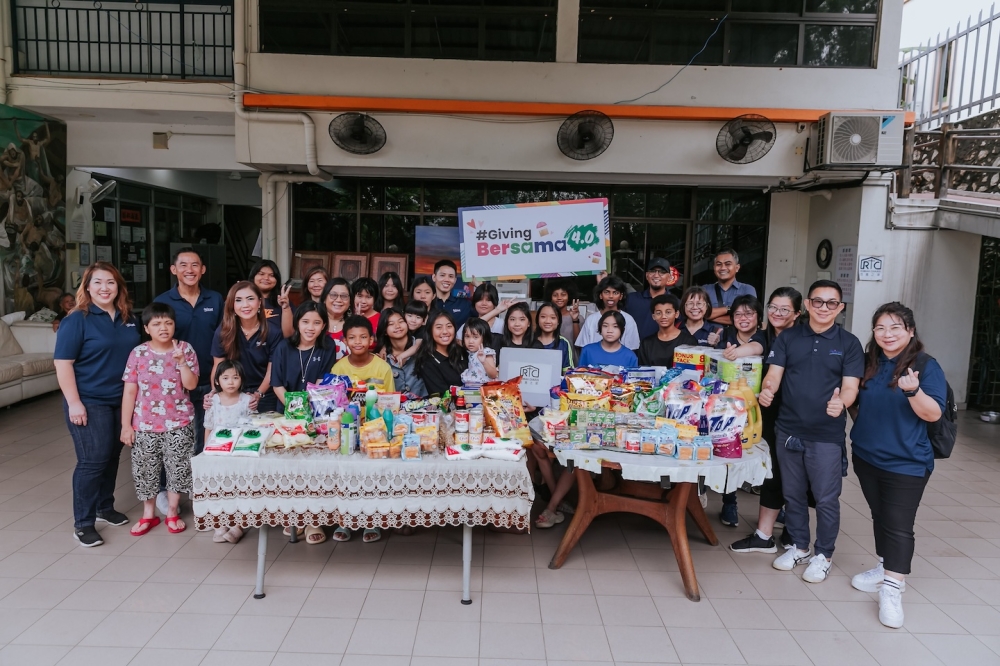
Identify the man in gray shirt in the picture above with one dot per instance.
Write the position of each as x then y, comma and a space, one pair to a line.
727, 288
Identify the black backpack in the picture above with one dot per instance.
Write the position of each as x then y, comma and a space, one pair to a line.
942, 432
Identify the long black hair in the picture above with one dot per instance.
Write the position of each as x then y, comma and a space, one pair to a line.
397, 282
792, 294
508, 338
382, 340
272, 298
538, 328
457, 357
486, 291
907, 358
419, 280
477, 325
611, 282
309, 305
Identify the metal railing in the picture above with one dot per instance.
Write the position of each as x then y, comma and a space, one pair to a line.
955, 156
955, 78
186, 40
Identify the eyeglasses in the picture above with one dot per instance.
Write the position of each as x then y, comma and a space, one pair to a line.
339, 297
819, 303
895, 329
744, 315
774, 309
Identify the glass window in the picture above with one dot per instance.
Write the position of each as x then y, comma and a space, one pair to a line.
672, 203
462, 29
388, 233
335, 195
451, 221
842, 6
769, 6
763, 44
514, 194
572, 195
749, 241
128, 192
839, 45
447, 199
171, 199
397, 196
325, 232
732, 206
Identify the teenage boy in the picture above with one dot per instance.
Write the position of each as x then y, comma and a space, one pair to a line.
197, 314
724, 291
818, 366
445, 276
362, 366
658, 348
640, 304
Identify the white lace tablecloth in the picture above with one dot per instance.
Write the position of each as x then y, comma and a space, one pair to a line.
723, 475
317, 487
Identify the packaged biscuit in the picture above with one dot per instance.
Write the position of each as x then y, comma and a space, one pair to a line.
584, 401
428, 435
589, 381
373, 432
502, 410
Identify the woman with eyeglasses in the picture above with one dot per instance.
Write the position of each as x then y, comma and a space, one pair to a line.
782, 310
336, 297
892, 453
611, 297
696, 305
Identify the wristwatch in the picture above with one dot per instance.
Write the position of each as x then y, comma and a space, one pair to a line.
258, 393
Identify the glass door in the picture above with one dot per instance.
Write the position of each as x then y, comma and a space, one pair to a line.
635, 244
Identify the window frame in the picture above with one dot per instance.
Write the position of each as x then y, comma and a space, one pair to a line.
803, 18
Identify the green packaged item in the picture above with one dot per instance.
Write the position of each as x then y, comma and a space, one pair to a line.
649, 403
297, 405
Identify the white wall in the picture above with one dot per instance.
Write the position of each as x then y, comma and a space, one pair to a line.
787, 242
107, 144
837, 220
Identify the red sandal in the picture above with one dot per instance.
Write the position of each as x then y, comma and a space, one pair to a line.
144, 525
172, 524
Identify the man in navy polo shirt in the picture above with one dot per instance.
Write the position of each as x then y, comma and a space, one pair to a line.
722, 293
198, 314
445, 276
818, 366
640, 304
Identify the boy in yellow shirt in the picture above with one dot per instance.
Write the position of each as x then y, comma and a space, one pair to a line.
361, 365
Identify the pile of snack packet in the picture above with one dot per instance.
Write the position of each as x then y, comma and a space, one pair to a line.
342, 418
683, 414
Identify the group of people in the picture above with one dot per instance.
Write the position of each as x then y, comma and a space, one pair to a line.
156, 381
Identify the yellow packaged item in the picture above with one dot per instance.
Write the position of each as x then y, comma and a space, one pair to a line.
589, 382
750, 368
503, 411
686, 432
374, 432
583, 401
428, 438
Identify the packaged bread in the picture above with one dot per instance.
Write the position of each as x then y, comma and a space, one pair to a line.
411, 447
428, 435
373, 432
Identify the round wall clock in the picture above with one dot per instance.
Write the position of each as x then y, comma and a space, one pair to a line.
824, 253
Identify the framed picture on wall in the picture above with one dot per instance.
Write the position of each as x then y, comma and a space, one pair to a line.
349, 266
303, 261
389, 263
84, 254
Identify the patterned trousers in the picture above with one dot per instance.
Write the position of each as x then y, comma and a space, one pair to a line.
155, 451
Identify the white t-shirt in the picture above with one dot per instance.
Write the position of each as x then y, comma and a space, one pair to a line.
495, 327
589, 332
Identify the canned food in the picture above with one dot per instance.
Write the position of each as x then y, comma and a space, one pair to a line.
461, 438
476, 438
633, 440
476, 420
461, 420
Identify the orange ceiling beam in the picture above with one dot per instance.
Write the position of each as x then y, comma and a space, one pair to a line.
477, 107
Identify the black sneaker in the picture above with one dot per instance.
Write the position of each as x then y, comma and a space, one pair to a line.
786, 539
729, 516
754, 544
88, 537
112, 518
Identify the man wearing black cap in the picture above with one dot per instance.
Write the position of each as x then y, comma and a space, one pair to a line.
659, 276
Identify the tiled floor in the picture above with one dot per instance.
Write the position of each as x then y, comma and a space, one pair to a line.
181, 599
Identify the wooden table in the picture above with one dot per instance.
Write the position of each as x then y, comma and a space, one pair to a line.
627, 485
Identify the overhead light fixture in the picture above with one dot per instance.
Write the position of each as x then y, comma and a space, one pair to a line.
235, 175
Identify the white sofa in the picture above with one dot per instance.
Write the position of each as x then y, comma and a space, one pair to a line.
26, 367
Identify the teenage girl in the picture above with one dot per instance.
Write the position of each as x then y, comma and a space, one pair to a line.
548, 328
390, 292
422, 290
396, 344
516, 328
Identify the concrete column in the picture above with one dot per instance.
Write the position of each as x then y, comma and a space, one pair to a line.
567, 30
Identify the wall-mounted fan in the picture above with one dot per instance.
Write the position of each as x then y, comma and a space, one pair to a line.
94, 191
745, 139
585, 135
357, 133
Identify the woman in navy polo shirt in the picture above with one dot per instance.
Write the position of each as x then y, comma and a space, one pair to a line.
244, 336
892, 453
92, 348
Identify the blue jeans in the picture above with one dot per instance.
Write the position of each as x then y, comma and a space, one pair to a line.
805, 465
98, 449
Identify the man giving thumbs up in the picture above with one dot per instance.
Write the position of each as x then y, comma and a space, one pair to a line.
818, 367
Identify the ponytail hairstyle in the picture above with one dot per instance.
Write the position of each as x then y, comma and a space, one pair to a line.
122, 302
907, 358
230, 325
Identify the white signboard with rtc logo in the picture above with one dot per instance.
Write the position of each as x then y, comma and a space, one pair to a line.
537, 240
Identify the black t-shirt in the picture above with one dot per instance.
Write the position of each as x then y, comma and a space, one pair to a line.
729, 337
653, 351
438, 374
289, 365
814, 365
500, 346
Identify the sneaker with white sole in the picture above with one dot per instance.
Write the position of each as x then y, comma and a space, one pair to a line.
754, 543
163, 502
890, 603
818, 569
790, 559
871, 580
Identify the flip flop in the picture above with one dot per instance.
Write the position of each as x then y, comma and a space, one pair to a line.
342, 534
315, 536
373, 532
172, 524
220, 534
233, 535
144, 525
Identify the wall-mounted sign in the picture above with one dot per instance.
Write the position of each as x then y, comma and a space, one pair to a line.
870, 267
844, 270
131, 215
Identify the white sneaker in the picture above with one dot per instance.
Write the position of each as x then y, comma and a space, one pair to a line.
871, 580
162, 502
790, 559
890, 603
818, 569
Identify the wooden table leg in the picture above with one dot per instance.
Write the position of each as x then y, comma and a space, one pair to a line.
676, 524
697, 513
586, 511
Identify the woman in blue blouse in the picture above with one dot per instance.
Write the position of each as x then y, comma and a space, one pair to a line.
92, 347
892, 453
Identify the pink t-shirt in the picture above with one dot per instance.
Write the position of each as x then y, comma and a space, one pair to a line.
162, 403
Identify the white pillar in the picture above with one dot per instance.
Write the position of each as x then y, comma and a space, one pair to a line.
567, 30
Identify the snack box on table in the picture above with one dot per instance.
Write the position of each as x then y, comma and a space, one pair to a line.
691, 357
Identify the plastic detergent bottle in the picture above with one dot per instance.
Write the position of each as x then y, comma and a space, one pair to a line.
371, 404
754, 430
346, 433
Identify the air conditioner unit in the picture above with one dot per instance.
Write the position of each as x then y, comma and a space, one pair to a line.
857, 140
